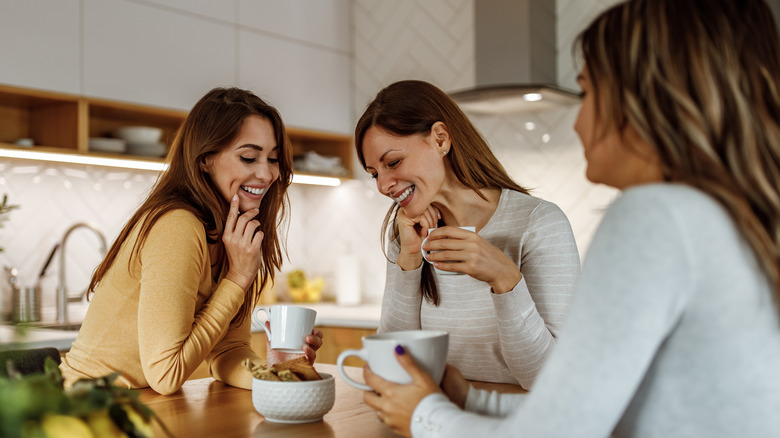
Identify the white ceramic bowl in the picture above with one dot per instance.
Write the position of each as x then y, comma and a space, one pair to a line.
139, 134
294, 402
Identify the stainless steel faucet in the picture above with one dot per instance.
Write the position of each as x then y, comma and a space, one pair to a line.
62, 292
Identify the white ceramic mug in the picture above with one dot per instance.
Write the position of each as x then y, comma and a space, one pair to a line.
425, 253
289, 325
427, 347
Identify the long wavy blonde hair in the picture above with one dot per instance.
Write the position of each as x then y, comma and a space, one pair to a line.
700, 81
212, 124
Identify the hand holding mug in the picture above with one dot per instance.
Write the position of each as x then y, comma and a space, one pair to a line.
428, 347
313, 342
288, 327
395, 403
454, 249
462, 251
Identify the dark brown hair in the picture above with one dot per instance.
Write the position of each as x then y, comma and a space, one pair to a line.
212, 124
700, 82
411, 107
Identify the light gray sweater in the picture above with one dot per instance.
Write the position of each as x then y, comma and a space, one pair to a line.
497, 338
673, 332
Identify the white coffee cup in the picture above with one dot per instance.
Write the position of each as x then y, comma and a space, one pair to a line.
427, 347
289, 325
425, 253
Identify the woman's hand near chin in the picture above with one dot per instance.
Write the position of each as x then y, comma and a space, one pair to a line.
242, 239
411, 232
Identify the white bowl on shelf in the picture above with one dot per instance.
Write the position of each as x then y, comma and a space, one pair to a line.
294, 402
147, 149
113, 145
139, 134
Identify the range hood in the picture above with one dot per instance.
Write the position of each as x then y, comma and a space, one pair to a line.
516, 68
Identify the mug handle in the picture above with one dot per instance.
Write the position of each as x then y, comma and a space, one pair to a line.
422, 251
260, 323
340, 365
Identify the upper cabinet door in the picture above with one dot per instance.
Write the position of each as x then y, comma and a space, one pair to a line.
153, 55
221, 10
320, 22
39, 44
309, 87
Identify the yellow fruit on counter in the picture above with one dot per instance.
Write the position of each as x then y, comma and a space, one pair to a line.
64, 426
142, 426
310, 292
102, 425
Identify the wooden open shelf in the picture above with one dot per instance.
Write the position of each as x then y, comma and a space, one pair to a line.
62, 122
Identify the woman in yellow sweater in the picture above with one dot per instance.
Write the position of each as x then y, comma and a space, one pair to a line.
179, 283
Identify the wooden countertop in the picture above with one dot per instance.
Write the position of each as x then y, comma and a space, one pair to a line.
206, 408
362, 316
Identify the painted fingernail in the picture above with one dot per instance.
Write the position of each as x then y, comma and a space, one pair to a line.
235, 197
399, 350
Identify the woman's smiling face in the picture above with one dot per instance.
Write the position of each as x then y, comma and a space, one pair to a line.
407, 169
248, 165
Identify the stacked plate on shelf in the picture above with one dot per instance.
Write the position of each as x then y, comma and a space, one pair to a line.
142, 140
104, 144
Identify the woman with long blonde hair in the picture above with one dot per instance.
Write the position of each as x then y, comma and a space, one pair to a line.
180, 281
675, 327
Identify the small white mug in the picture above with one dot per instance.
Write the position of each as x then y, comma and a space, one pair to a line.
289, 326
427, 347
425, 253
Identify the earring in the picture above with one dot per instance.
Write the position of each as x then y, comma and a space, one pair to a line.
444, 153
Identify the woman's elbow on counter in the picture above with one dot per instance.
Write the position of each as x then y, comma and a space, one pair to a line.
165, 387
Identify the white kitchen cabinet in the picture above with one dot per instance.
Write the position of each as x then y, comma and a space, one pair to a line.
169, 53
39, 44
221, 10
309, 87
142, 54
319, 22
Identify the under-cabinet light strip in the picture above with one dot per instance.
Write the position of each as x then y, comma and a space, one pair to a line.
134, 164
316, 180
81, 159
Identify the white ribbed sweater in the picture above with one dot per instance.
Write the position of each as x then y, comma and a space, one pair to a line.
497, 338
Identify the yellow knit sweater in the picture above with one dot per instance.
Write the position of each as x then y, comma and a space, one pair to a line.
158, 320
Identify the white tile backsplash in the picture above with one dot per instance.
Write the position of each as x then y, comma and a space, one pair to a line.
324, 222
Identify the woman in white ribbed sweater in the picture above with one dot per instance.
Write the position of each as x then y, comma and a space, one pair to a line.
520, 264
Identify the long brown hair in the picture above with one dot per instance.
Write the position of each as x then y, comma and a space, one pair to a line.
700, 82
411, 107
212, 124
